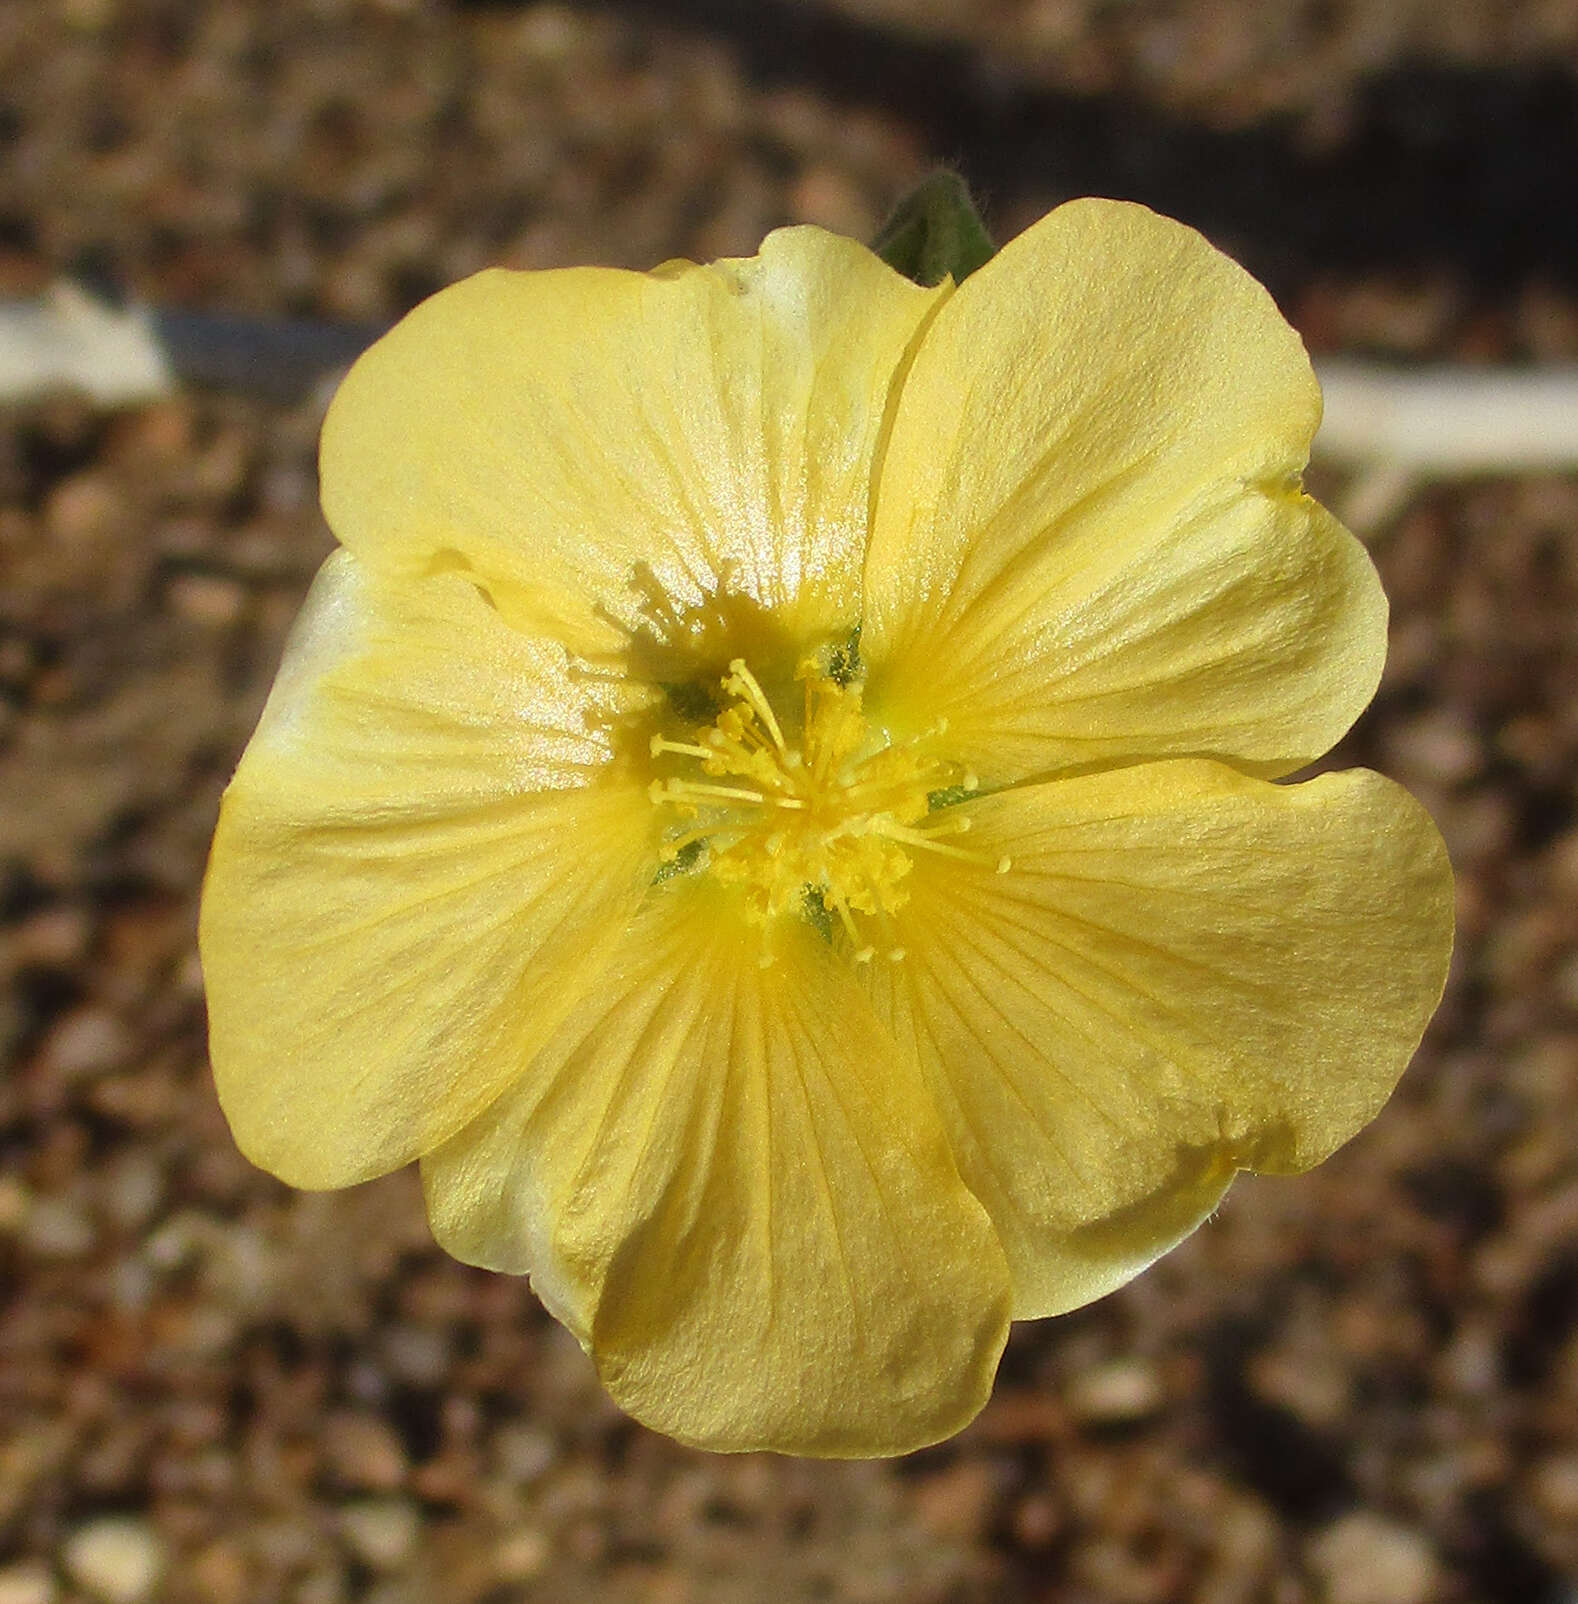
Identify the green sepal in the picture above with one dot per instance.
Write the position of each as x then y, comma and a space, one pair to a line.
935, 232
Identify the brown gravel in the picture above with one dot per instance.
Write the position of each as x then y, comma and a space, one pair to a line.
1358, 1387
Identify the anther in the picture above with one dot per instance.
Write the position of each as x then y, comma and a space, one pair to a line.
743, 683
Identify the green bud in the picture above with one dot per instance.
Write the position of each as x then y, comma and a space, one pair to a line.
935, 232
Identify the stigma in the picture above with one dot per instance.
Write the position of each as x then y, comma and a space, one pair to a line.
809, 808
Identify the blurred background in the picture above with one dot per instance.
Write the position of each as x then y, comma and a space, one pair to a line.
1355, 1387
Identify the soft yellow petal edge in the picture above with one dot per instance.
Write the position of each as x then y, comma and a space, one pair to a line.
598, 438
387, 928
1088, 546
1186, 971
725, 1182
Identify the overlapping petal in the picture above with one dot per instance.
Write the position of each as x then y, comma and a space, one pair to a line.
390, 924
1088, 546
1186, 971
705, 430
725, 1180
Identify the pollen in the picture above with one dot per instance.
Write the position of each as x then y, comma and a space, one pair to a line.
810, 808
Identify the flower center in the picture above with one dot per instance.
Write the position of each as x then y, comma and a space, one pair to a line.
816, 812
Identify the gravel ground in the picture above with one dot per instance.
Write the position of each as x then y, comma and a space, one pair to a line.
1357, 1387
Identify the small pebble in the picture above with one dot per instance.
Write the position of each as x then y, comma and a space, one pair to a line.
211, 599
1364, 1558
1116, 1391
1554, 1485
381, 1531
523, 1453
1038, 1521
55, 935
57, 1228
26, 1584
220, 1574
828, 198
82, 509
549, 32
365, 1452
1314, 1386
416, 1354
117, 1560
88, 1041
322, 1587
133, 1188
16, 1203
1438, 746
957, 1501
520, 1555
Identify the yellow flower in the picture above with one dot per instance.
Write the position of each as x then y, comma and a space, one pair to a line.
772, 805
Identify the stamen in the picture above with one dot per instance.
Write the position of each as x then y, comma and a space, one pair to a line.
684, 790
742, 683
957, 824
659, 744
925, 841
852, 807
921, 834
863, 953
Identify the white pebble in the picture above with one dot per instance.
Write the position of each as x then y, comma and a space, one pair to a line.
524, 1453
26, 1584
1364, 1558
381, 1531
117, 1559
521, 1555
1116, 1390
57, 1228
87, 1042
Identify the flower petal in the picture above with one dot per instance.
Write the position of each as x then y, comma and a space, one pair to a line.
1088, 546
729, 1186
695, 432
1185, 972
388, 928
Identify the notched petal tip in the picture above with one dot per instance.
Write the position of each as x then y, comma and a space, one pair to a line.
892, 1416
740, 1197
1187, 971
1086, 548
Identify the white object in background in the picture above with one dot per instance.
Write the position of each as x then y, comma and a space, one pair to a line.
1448, 422
1408, 423
68, 340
